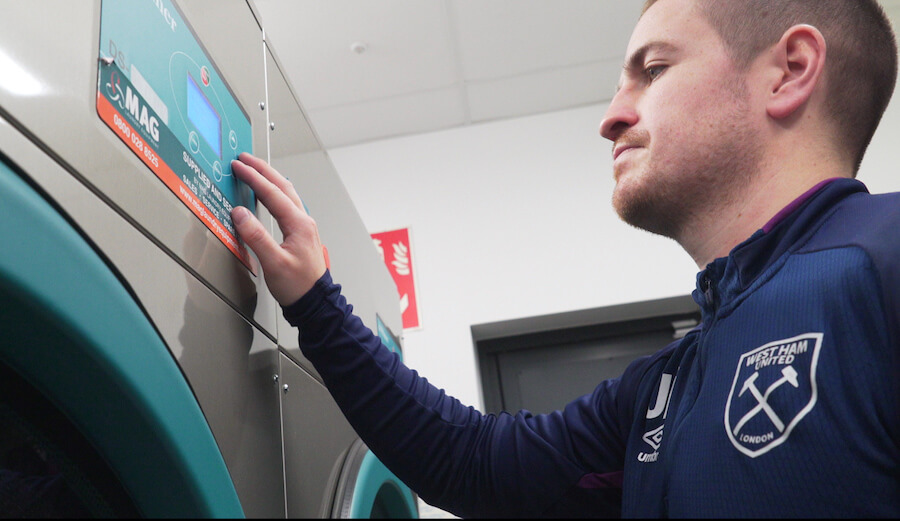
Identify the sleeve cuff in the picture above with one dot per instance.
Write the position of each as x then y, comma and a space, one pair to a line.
310, 303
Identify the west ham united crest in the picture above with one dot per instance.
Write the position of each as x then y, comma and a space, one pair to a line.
774, 388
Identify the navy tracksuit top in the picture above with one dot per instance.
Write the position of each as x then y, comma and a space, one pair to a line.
784, 401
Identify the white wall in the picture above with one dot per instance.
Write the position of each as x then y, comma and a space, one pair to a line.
513, 219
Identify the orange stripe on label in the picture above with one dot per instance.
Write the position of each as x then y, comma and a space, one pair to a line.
115, 121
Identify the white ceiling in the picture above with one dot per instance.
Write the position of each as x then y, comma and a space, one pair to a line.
438, 64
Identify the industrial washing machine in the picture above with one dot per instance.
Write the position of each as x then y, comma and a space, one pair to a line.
145, 370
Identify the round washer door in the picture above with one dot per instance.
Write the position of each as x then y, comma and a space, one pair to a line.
79, 347
368, 490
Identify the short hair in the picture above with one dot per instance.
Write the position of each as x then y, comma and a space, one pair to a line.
861, 64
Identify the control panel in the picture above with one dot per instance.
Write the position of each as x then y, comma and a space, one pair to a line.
161, 94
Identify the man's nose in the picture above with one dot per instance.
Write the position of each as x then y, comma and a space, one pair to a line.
620, 116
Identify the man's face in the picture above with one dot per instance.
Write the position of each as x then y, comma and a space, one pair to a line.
680, 123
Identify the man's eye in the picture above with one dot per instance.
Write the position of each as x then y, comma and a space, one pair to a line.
654, 71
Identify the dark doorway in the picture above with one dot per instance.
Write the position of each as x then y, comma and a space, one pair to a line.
542, 363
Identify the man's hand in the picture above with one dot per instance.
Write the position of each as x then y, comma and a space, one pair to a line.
292, 267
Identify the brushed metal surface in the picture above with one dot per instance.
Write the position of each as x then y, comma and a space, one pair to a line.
56, 44
316, 440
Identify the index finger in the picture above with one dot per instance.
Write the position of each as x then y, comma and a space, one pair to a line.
271, 175
282, 201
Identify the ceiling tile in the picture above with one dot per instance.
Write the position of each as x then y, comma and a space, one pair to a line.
408, 47
367, 121
508, 37
548, 90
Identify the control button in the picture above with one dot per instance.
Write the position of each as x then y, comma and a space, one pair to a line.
217, 171
194, 141
232, 140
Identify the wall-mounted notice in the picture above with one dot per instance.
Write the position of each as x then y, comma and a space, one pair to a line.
164, 97
395, 248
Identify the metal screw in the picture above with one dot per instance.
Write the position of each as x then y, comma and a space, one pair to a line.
107, 60
262, 105
275, 378
285, 387
272, 125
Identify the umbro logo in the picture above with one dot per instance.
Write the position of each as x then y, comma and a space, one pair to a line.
654, 437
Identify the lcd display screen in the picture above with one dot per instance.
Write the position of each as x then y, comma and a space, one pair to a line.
202, 114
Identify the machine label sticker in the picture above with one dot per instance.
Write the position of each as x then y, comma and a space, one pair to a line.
774, 388
160, 93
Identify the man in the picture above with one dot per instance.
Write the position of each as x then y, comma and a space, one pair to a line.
738, 127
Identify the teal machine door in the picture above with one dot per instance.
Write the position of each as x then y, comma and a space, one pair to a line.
367, 489
96, 420
162, 95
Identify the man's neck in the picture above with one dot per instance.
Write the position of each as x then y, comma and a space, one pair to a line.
717, 233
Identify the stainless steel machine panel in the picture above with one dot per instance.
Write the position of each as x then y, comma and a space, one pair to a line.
56, 57
316, 439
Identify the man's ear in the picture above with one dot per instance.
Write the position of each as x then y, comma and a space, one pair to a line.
800, 59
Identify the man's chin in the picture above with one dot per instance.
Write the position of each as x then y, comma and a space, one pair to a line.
627, 194
641, 211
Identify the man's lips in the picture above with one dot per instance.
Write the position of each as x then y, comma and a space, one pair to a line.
619, 149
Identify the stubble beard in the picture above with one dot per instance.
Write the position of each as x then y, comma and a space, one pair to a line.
674, 197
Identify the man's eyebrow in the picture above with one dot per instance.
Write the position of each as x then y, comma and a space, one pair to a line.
635, 62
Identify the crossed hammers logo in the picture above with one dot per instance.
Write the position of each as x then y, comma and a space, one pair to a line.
789, 375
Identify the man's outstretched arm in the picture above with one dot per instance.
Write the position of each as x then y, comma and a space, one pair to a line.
452, 455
